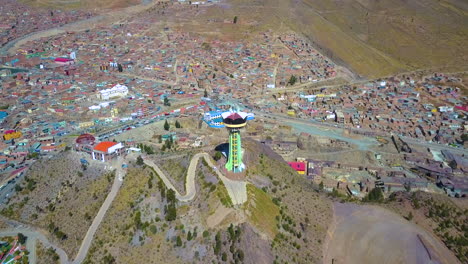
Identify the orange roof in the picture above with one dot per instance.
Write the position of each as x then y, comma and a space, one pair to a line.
48, 147
104, 146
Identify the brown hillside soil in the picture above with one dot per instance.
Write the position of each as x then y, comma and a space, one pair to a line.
369, 234
444, 217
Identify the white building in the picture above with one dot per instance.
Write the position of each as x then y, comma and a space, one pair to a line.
116, 91
444, 109
107, 150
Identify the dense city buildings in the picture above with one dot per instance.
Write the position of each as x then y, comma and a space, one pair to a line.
140, 112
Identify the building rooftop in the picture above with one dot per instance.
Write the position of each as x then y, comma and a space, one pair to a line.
104, 146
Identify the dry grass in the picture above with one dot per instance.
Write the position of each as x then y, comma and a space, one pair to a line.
444, 217
383, 37
118, 228
63, 194
262, 211
45, 255
304, 214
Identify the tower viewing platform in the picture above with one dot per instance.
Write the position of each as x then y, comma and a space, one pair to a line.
234, 121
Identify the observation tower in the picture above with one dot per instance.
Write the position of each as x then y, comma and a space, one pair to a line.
234, 121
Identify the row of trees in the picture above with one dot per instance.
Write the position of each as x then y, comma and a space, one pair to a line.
170, 208
234, 238
168, 144
146, 149
167, 126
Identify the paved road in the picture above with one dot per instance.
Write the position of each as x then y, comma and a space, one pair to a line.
237, 190
303, 125
33, 235
363, 143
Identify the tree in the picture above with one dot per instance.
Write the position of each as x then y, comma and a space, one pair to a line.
18, 188
171, 212
217, 247
189, 236
464, 137
150, 183
321, 185
217, 156
410, 216
407, 187
137, 219
139, 161
22, 238
108, 259
240, 255
235, 20
224, 256
162, 189
166, 101
178, 241
177, 124
167, 145
231, 232
171, 198
166, 126
375, 195
292, 80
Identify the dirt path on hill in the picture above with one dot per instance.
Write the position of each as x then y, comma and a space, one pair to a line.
237, 190
88, 239
361, 234
34, 234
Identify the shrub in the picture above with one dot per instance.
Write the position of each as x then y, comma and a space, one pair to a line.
375, 195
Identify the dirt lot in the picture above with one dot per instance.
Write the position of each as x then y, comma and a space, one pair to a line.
369, 234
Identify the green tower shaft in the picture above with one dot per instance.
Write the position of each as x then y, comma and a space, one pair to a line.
235, 163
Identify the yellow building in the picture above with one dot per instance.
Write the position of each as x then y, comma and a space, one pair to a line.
291, 112
86, 124
16, 134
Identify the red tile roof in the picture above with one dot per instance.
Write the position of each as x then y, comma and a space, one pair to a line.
45, 148
104, 146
